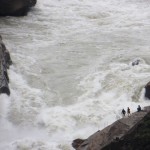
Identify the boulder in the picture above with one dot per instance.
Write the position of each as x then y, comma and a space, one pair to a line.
135, 62
147, 90
15, 7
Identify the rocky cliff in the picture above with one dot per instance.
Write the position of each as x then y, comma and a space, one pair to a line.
114, 132
138, 138
15, 7
5, 62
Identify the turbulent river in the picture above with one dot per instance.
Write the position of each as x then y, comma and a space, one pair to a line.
72, 70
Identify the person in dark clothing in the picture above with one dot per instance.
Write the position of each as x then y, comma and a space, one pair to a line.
123, 112
128, 111
139, 108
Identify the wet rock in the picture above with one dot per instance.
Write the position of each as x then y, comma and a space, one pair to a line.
147, 90
76, 143
15, 7
5, 62
135, 62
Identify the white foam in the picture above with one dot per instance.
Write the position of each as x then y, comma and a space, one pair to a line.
72, 70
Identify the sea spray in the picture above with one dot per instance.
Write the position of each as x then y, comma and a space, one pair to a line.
72, 70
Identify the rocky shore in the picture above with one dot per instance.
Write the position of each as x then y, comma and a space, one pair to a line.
114, 137
15, 7
5, 62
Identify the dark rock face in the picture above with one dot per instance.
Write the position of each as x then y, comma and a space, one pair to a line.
5, 62
136, 62
76, 143
147, 90
15, 7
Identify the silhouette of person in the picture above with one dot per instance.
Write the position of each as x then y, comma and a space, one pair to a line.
123, 112
139, 108
128, 111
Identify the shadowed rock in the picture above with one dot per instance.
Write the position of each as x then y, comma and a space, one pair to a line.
15, 7
136, 62
76, 143
5, 62
147, 90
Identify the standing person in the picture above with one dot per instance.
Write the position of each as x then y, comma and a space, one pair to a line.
128, 111
139, 108
123, 112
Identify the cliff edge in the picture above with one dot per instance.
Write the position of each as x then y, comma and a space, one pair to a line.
102, 140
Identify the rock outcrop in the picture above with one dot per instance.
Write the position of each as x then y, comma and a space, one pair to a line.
5, 62
137, 139
15, 7
147, 90
113, 132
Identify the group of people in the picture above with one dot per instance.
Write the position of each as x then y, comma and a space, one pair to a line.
129, 112
124, 112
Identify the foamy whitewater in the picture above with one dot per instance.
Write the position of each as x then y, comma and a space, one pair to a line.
72, 70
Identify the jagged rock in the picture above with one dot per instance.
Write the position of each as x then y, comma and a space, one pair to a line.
15, 7
147, 90
113, 132
5, 62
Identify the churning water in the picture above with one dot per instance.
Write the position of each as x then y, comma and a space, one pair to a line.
72, 70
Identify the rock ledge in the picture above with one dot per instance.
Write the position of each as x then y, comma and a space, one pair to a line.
113, 132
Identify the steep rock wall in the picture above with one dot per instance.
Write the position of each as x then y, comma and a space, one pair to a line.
5, 62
